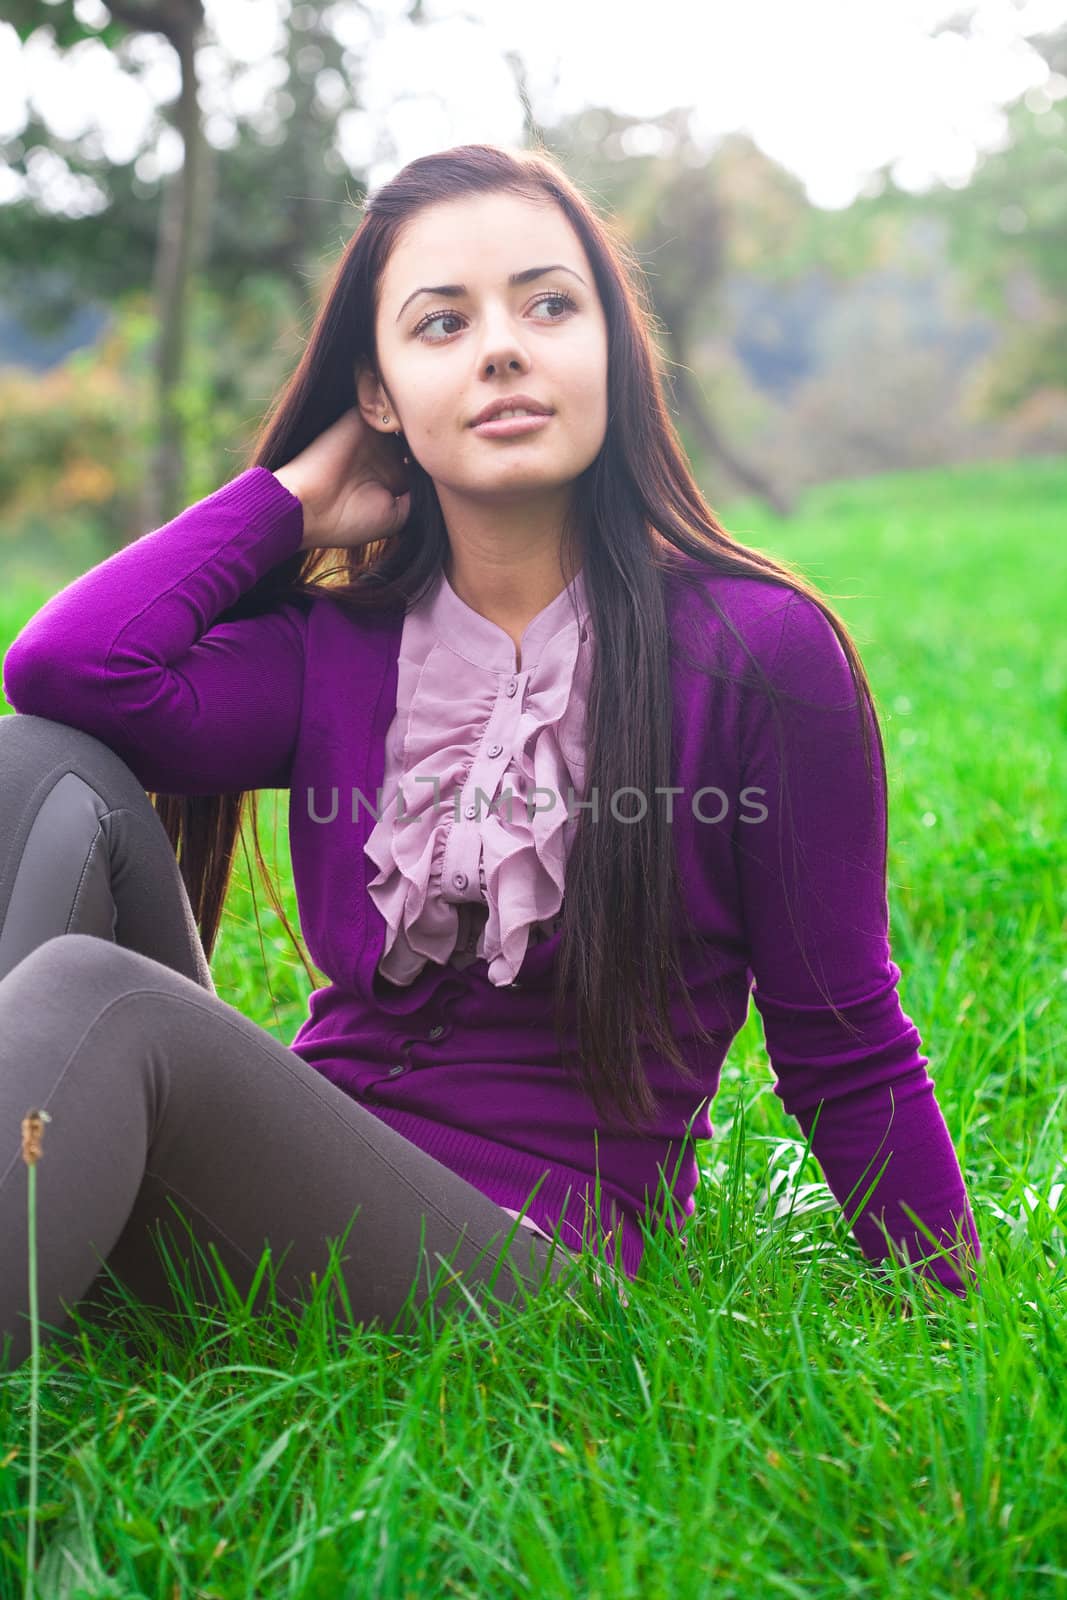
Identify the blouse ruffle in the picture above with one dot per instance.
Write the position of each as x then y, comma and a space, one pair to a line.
453, 886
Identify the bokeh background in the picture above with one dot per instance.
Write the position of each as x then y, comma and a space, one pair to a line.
853, 217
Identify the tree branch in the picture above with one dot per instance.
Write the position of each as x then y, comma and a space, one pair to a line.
174, 19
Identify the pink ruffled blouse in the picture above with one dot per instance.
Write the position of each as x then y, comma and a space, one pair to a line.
484, 763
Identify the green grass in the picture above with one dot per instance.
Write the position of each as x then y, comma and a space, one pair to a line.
769, 1423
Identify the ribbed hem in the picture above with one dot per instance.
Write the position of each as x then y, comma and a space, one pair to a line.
507, 1177
257, 498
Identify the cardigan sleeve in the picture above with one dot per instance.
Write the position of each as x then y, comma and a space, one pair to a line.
812, 879
131, 652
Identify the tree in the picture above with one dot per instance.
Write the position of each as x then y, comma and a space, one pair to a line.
1006, 232
180, 22
692, 217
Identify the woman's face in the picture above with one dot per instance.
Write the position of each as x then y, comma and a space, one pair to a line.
443, 357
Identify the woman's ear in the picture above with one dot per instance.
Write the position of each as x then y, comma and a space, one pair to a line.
372, 401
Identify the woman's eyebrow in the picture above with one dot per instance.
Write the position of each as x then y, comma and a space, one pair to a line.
453, 290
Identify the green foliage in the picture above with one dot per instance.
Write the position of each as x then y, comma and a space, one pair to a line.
78, 438
74, 441
1006, 234
62, 20
275, 206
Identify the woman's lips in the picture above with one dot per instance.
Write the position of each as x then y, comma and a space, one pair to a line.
511, 427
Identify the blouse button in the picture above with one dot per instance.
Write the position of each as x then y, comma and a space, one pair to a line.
495, 749
470, 811
460, 880
511, 686
436, 1031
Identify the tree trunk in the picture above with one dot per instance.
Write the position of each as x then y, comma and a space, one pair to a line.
712, 442
165, 481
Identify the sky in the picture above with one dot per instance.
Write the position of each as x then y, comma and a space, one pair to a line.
829, 89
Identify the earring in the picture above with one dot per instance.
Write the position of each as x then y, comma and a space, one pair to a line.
406, 458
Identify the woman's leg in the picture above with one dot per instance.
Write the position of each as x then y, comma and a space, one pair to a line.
83, 850
159, 1091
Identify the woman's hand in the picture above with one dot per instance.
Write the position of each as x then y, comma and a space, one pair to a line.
342, 480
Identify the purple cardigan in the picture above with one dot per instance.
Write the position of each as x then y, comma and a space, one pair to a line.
302, 699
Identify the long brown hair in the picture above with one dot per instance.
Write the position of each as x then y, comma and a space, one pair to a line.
633, 510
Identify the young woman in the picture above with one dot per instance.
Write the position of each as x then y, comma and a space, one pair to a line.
570, 770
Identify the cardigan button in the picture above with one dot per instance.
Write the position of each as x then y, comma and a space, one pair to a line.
394, 1072
460, 880
436, 1031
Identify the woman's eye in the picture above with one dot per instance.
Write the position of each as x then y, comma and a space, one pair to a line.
439, 316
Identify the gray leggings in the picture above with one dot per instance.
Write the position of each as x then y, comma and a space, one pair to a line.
163, 1097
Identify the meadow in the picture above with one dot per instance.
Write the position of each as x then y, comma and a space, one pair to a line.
765, 1421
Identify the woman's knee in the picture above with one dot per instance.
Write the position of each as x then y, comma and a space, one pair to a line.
55, 739
32, 746
74, 971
